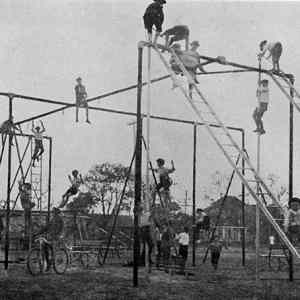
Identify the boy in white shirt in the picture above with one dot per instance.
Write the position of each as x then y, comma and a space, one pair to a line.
183, 239
262, 94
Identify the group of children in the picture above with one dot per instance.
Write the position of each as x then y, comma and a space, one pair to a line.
154, 17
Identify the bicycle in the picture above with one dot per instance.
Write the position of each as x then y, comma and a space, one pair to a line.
37, 262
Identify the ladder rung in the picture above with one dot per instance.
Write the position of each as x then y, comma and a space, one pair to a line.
252, 180
228, 145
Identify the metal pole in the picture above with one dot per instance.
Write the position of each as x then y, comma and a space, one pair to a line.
194, 193
257, 223
138, 169
8, 184
291, 170
243, 205
49, 180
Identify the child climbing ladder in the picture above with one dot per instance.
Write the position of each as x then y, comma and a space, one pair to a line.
164, 180
38, 140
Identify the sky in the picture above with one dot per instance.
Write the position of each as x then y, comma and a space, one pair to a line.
46, 45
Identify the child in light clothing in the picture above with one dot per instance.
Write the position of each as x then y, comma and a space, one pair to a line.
183, 241
38, 141
177, 33
292, 220
262, 94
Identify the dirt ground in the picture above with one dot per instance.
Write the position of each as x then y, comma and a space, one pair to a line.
230, 281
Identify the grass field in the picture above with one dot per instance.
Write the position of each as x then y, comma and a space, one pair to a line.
230, 281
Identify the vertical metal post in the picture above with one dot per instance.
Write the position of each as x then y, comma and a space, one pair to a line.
194, 192
138, 169
243, 204
49, 179
257, 235
8, 184
291, 170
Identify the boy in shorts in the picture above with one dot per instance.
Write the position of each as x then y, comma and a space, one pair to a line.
81, 94
38, 141
76, 181
262, 94
154, 15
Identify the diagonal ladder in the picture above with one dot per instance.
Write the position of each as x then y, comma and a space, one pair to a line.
197, 105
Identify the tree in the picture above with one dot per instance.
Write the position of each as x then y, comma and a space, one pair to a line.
105, 183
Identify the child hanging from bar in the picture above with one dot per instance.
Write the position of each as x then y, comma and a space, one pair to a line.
177, 33
262, 94
292, 221
75, 181
154, 16
38, 142
81, 95
163, 187
273, 50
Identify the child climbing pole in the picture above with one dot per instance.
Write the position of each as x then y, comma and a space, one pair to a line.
165, 181
75, 180
273, 50
262, 95
81, 101
177, 33
38, 141
154, 16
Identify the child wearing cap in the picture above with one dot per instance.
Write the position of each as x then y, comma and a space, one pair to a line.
81, 94
164, 179
177, 33
262, 94
154, 16
273, 49
292, 220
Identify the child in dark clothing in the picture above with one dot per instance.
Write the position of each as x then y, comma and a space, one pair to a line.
154, 15
215, 247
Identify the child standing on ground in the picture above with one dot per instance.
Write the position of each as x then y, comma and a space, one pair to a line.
166, 243
292, 220
76, 181
81, 95
215, 248
262, 95
38, 141
183, 241
273, 49
154, 16
164, 179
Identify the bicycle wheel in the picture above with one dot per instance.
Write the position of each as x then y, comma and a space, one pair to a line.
61, 261
35, 262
